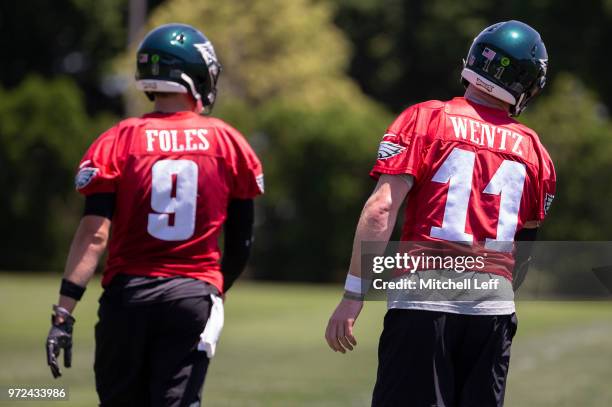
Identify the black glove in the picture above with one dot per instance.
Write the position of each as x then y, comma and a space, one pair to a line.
60, 337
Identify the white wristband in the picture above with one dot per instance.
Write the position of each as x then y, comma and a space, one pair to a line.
356, 285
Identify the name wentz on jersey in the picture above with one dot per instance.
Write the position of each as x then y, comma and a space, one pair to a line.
478, 132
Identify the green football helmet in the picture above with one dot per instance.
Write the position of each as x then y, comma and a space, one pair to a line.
507, 60
180, 59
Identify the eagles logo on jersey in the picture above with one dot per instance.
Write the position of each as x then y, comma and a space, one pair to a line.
260, 182
548, 200
84, 176
388, 149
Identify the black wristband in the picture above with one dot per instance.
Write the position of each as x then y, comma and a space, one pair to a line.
72, 290
353, 296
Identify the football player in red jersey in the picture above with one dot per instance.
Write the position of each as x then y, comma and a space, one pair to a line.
167, 182
470, 174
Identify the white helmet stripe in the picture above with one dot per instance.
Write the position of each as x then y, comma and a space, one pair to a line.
157, 85
487, 86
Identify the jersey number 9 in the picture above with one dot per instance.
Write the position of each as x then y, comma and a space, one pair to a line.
174, 193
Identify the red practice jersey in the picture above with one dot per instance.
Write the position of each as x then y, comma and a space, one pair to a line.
173, 175
479, 176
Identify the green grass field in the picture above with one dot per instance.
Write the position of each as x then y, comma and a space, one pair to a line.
272, 351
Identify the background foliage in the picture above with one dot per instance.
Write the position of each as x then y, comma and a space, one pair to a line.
312, 84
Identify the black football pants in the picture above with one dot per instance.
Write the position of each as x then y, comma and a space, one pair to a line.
437, 359
146, 354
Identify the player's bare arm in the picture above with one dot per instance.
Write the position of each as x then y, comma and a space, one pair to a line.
87, 247
376, 223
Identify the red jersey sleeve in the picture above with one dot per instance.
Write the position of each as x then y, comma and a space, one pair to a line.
547, 186
401, 148
247, 172
99, 171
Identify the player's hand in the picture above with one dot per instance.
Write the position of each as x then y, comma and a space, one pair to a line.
60, 337
339, 332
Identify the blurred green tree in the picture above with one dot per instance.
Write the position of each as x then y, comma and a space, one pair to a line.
44, 130
64, 37
576, 129
317, 166
270, 50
